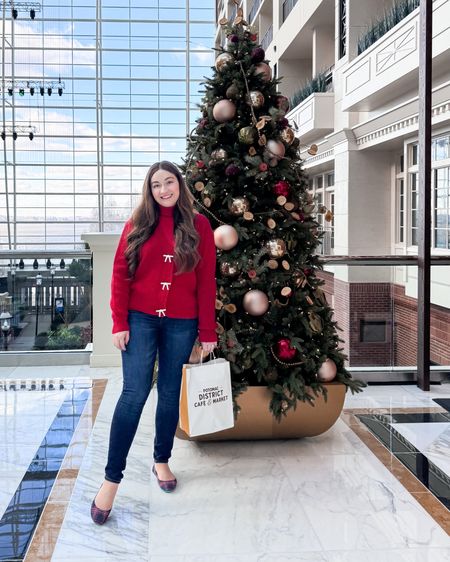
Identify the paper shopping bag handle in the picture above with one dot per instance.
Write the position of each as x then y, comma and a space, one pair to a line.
210, 353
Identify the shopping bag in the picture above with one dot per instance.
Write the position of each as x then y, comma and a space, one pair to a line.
206, 401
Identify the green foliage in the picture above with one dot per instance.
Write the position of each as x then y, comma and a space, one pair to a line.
248, 341
65, 338
318, 83
390, 19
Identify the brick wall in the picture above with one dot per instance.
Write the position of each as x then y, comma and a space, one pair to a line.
354, 302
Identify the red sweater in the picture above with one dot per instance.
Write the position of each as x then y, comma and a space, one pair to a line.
155, 289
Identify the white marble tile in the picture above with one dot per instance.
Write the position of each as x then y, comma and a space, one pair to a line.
247, 505
392, 555
422, 435
431, 439
324, 499
354, 502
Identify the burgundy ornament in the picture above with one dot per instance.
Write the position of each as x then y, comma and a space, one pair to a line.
258, 54
282, 187
283, 123
202, 123
284, 350
233, 38
231, 170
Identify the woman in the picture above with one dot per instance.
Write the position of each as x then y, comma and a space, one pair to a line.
163, 294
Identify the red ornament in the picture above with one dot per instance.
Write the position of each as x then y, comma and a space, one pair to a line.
282, 187
252, 273
284, 350
253, 36
200, 164
263, 167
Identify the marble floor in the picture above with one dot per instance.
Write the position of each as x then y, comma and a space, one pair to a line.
344, 496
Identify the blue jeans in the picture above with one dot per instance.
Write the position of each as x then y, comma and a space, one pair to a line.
172, 339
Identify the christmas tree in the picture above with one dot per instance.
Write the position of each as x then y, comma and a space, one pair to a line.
244, 169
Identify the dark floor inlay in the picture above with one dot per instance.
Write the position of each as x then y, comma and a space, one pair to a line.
427, 472
24, 510
444, 402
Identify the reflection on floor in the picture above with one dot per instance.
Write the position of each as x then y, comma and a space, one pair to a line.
339, 497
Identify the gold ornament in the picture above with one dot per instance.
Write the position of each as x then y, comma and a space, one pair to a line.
321, 297
276, 248
239, 205
232, 92
271, 224
224, 110
313, 149
218, 154
255, 99
272, 264
255, 302
247, 135
262, 141
315, 322
288, 135
223, 60
229, 269
327, 371
225, 237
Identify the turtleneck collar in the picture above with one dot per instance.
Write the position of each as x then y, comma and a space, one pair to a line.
166, 211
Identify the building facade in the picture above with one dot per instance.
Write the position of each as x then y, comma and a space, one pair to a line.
360, 60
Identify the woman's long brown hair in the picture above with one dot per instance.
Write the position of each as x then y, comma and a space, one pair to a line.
145, 219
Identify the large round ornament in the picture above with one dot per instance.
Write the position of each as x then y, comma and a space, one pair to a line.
284, 351
258, 54
275, 149
282, 187
228, 269
224, 110
219, 154
265, 71
276, 248
239, 205
256, 99
287, 135
225, 237
247, 135
327, 371
282, 103
223, 60
256, 302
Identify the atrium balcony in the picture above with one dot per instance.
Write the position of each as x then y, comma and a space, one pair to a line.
391, 64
